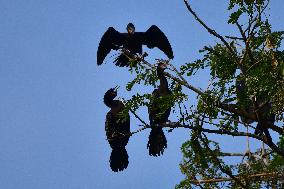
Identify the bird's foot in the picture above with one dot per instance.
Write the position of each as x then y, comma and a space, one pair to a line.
170, 124
144, 55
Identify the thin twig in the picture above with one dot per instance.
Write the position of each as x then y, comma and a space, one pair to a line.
223, 169
211, 31
139, 118
234, 38
241, 31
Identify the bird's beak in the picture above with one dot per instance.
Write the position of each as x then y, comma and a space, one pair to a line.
116, 87
131, 31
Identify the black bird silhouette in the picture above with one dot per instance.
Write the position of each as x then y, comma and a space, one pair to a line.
264, 112
117, 131
265, 118
133, 42
157, 142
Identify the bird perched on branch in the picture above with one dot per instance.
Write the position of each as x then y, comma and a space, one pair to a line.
117, 131
132, 41
158, 114
259, 104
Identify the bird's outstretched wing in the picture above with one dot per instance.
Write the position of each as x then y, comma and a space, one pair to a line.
110, 40
154, 37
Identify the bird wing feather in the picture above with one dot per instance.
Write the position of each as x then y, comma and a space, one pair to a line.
110, 40
154, 37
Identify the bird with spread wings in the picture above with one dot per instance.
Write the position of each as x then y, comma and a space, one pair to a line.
132, 41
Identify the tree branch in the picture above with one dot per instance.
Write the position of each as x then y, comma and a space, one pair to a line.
227, 107
211, 31
234, 38
259, 175
212, 131
224, 170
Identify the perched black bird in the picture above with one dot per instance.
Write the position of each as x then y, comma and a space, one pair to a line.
264, 112
116, 129
265, 117
133, 42
157, 142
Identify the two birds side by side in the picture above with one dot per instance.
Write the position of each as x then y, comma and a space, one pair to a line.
118, 129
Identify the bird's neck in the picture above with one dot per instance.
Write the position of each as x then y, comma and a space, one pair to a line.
109, 102
163, 79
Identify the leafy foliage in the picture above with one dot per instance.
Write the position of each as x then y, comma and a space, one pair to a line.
254, 59
259, 63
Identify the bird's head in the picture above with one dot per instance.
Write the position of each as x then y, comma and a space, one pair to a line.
112, 92
130, 28
162, 66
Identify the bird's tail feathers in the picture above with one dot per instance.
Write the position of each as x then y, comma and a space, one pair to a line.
121, 60
118, 159
157, 142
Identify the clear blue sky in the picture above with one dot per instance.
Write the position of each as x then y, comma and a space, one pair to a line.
51, 112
